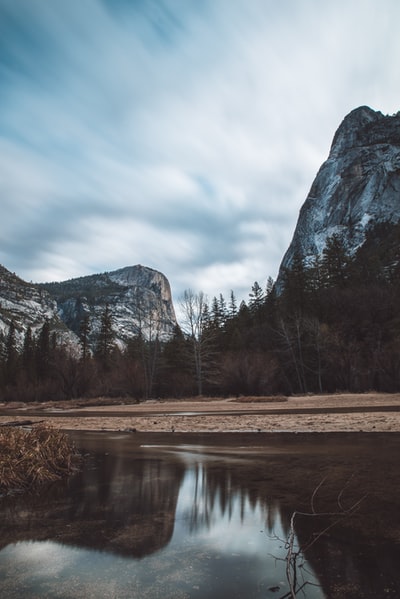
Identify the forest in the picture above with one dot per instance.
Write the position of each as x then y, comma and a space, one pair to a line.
333, 325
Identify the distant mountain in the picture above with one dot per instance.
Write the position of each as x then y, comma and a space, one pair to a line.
27, 305
139, 299
357, 188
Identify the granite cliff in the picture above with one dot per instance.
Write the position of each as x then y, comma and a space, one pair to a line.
139, 299
27, 305
356, 188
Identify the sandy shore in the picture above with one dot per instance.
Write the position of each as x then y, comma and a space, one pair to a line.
369, 412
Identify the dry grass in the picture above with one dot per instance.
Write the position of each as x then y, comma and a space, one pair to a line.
30, 458
261, 399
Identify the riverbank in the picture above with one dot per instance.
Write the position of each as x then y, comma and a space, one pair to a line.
366, 412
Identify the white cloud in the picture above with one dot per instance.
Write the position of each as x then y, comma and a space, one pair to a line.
184, 136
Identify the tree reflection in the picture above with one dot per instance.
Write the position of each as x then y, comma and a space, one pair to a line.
129, 503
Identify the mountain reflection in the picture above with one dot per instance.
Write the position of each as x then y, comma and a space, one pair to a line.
114, 504
135, 501
128, 505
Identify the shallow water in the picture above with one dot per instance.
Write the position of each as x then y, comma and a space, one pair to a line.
197, 519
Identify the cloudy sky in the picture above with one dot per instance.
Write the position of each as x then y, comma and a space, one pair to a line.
183, 135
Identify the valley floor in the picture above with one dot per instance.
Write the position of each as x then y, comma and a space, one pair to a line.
367, 412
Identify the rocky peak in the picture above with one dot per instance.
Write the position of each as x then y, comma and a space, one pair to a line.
143, 277
139, 299
351, 129
358, 186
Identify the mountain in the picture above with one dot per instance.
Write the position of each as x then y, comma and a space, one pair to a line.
356, 188
139, 299
27, 305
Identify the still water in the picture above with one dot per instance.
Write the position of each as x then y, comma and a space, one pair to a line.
189, 520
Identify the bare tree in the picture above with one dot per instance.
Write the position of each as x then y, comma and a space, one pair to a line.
195, 314
149, 328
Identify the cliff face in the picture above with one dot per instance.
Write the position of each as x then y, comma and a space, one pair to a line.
357, 187
139, 299
26, 305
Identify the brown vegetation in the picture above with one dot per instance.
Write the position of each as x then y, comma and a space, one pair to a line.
261, 399
29, 458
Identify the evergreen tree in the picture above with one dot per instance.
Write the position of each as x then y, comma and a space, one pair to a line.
28, 354
43, 351
256, 297
84, 332
2, 357
105, 341
296, 286
223, 311
176, 380
11, 354
232, 305
216, 317
335, 263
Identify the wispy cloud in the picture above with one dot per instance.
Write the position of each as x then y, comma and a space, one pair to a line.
178, 134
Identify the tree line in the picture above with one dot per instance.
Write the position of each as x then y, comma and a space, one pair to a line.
334, 325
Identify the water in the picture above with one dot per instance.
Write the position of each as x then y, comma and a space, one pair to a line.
182, 521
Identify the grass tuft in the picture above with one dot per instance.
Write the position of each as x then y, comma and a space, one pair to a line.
30, 458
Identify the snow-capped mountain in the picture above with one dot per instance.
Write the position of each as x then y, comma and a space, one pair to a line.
138, 297
357, 187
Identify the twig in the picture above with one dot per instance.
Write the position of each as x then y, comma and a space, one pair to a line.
292, 555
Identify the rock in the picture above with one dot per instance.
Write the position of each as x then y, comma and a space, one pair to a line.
358, 186
139, 299
27, 305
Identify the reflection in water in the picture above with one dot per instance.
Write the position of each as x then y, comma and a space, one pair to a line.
176, 522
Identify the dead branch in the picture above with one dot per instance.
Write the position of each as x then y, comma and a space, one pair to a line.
293, 554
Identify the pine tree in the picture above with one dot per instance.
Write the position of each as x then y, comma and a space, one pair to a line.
232, 305
335, 263
223, 312
28, 354
43, 351
216, 317
256, 297
105, 341
11, 354
84, 332
296, 286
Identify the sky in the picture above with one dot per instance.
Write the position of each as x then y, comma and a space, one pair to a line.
182, 135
